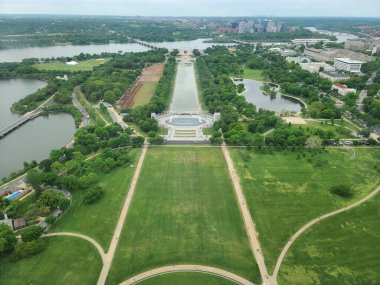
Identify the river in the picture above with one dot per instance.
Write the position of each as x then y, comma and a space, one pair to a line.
280, 104
12, 90
18, 54
185, 97
341, 37
36, 138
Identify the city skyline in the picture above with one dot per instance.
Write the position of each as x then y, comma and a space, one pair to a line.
274, 8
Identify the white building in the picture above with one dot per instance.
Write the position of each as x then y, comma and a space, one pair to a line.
308, 41
342, 89
315, 67
333, 75
347, 64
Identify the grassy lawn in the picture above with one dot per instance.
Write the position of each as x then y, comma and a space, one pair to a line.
255, 74
187, 279
344, 249
145, 93
163, 131
339, 130
66, 260
285, 190
86, 65
99, 219
208, 131
184, 212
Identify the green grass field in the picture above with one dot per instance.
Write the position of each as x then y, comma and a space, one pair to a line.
86, 65
339, 130
66, 260
343, 249
99, 219
184, 211
187, 279
285, 191
145, 93
255, 74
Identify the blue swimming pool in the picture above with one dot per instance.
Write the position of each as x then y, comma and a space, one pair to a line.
14, 195
185, 122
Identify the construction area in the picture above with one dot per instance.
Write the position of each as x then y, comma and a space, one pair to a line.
143, 88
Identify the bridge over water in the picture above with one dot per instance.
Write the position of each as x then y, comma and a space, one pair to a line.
146, 44
25, 118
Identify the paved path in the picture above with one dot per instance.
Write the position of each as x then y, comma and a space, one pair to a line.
115, 239
116, 117
248, 222
187, 268
314, 221
91, 240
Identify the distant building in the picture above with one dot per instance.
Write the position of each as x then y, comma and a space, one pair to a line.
73, 62
19, 223
355, 44
315, 67
298, 59
62, 78
275, 49
328, 54
280, 27
288, 52
242, 27
271, 27
376, 50
342, 89
361, 44
347, 64
333, 75
308, 41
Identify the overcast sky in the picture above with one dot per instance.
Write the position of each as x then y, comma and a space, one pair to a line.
358, 8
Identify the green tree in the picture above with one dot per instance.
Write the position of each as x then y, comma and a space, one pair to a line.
7, 239
51, 198
93, 195
34, 178
31, 233
110, 97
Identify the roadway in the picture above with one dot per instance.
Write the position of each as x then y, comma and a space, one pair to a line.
16, 183
86, 117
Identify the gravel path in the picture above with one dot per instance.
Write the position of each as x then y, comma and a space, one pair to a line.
248, 221
187, 268
115, 239
91, 240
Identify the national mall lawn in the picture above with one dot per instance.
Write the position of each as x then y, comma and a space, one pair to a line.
285, 190
184, 212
